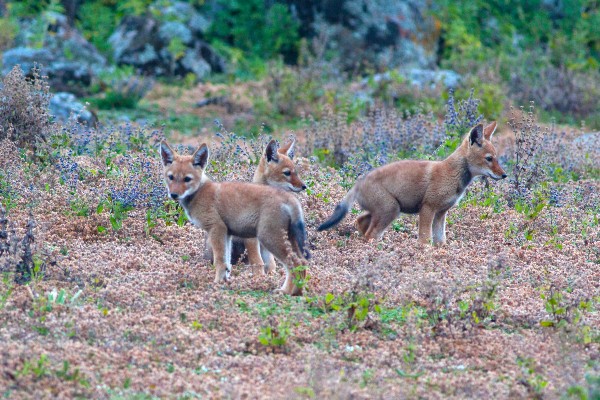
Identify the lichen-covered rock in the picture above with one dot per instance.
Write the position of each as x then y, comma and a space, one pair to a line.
172, 46
431, 77
66, 57
371, 34
589, 142
64, 106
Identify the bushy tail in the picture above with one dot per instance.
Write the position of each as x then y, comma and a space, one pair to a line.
298, 234
340, 211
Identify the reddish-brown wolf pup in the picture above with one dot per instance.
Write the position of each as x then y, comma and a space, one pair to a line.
429, 188
276, 169
242, 209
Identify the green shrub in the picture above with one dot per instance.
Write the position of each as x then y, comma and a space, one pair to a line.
275, 336
124, 89
27, 8
491, 96
97, 21
133, 7
257, 30
8, 31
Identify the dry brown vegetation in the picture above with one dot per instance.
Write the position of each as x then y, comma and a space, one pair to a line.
118, 302
150, 320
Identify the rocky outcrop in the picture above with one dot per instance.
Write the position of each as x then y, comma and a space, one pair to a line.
589, 143
422, 78
64, 106
66, 57
172, 46
371, 34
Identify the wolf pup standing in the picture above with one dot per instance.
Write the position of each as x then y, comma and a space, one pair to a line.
275, 169
242, 209
429, 188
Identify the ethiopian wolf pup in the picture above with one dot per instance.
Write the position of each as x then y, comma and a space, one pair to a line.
429, 188
242, 209
275, 169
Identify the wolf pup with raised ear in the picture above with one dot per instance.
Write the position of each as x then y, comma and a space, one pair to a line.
429, 188
241, 209
277, 169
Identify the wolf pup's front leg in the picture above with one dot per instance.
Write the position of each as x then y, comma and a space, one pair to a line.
221, 245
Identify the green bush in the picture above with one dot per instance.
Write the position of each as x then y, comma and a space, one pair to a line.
491, 96
8, 31
255, 29
548, 52
28, 8
478, 30
97, 21
123, 89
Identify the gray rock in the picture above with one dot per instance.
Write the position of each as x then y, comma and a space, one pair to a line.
134, 35
26, 57
175, 30
198, 24
423, 77
589, 142
66, 57
371, 34
186, 14
427, 77
65, 106
195, 63
143, 42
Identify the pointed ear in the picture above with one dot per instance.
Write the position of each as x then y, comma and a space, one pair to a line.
476, 135
200, 156
489, 130
288, 148
271, 152
166, 153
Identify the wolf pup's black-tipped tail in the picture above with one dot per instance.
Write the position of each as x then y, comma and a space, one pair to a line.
340, 210
338, 214
298, 234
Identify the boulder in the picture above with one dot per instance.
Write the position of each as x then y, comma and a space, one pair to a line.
431, 77
172, 46
589, 143
64, 106
371, 34
66, 57
26, 57
186, 14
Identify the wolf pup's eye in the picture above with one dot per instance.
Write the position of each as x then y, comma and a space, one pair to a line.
287, 173
489, 158
171, 177
187, 179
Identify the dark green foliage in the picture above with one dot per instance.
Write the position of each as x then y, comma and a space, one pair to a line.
97, 20
28, 8
256, 29
124, 89
476, 30
548, 52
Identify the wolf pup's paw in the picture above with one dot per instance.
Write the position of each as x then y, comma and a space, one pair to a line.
290, 292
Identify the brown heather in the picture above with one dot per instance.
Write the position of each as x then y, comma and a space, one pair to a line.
140, 316
24, 116
150, 320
